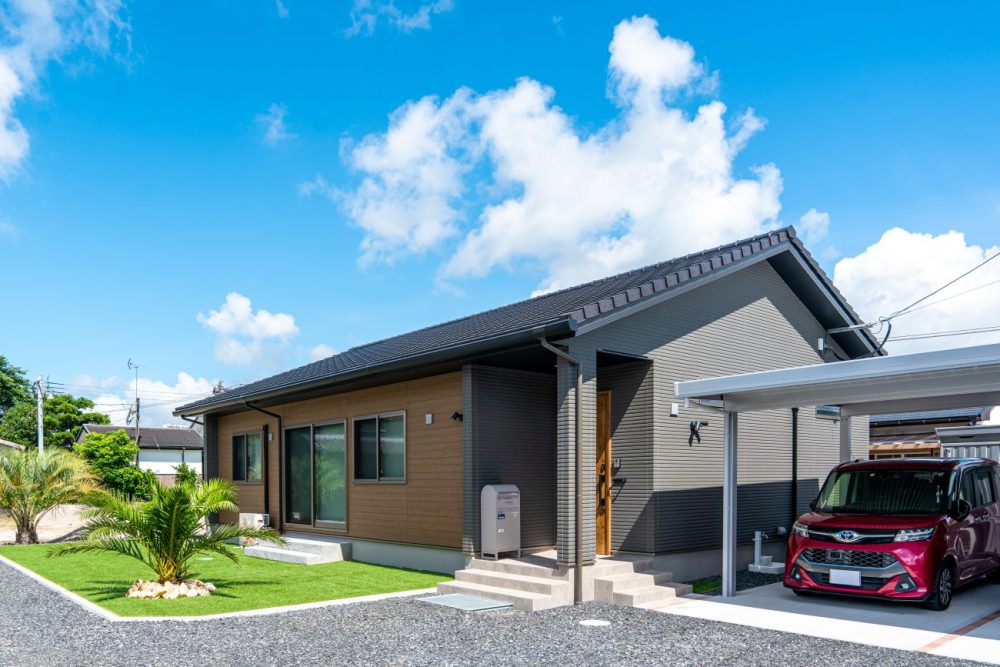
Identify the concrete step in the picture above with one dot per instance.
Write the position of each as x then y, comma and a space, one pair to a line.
335, 549
286, 555
605, 587
521, 600
607, 567
633, 597
543, 585
526, 567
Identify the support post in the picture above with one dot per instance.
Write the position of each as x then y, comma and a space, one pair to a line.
845, 439
729, 489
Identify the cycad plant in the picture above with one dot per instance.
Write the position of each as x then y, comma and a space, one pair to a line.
164, 533
32, 483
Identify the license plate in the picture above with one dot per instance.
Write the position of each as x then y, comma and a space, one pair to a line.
845, 577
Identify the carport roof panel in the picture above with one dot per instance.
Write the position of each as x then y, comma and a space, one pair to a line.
924, 381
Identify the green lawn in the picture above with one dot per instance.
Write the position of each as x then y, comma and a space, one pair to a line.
253, 584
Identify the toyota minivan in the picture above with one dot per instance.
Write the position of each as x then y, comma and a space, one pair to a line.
899, 529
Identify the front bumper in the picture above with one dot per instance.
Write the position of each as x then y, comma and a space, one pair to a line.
892, 571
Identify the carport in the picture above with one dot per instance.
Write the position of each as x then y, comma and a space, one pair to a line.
943, 379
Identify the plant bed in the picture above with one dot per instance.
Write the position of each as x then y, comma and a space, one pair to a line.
254, 583
744, 580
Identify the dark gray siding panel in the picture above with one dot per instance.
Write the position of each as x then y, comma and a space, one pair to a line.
510, 438
211, 462
631, 387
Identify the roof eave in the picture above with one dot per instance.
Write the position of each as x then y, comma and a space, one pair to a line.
560, 328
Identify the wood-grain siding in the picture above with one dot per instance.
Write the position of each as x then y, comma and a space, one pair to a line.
426, 509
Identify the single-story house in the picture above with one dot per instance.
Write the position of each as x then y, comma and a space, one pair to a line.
10, 445
982, 440
912, 434
161, 450
388, 445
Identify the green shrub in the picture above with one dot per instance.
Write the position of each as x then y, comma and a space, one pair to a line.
113, 456
185, 474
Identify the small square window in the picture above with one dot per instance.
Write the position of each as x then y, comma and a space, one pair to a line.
380, 448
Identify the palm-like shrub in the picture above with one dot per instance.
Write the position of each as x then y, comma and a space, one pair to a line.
33, 483
164, 533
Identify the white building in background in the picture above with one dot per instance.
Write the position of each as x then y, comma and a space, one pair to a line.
161, 450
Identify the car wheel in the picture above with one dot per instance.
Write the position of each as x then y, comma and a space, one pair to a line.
944, 588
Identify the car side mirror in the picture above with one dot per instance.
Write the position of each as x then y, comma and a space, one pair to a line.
812, 505
961, 509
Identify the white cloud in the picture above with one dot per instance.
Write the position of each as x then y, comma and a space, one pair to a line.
813, 226
367, 14
281, 8
321, 351
273, 122
506, 179
904, 266
35, 32
246, 337
113, 396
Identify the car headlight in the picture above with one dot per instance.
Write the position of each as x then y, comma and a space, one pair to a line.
915, 534
800, 529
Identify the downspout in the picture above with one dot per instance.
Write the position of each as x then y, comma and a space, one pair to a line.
266, 466
795, 464
578, 547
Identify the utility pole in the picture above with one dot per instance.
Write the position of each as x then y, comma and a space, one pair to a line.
138, 433
40, 394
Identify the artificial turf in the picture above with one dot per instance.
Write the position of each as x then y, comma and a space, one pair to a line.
254, 583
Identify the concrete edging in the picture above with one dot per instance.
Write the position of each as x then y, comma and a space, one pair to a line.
95, 608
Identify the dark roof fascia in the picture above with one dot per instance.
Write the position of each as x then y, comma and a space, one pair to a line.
561, 328
189, 448
617, 313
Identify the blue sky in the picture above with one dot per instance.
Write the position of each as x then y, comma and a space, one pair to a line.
179, 156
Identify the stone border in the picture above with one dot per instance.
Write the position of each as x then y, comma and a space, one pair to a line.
95, 608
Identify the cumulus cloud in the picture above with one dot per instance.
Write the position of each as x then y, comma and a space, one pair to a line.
281, 8
273, 123
35, 32
813, 226
506, 179
245, 336
321, 351
400, 14
114, 396
903, 266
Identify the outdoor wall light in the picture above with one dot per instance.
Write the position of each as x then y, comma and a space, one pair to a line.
457, 416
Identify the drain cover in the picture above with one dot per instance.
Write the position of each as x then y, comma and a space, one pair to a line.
593, 622
466, 602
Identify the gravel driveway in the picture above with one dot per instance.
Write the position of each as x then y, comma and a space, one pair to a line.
39, 627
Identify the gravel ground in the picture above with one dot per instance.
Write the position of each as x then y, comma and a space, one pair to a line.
39, 627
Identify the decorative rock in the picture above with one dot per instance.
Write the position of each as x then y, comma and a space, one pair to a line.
169, 590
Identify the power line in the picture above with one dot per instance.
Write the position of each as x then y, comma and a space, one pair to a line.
948, 298
944, 334
946, 285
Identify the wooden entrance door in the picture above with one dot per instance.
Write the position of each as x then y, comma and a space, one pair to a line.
604, 473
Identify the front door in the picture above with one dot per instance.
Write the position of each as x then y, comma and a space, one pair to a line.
604, 473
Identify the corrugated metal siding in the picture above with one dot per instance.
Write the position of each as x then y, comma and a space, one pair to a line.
211, 462
565, 457
509, 432
746, 322
631, 387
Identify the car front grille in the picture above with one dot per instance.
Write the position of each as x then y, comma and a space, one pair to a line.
869, 536
849, 557
867, 583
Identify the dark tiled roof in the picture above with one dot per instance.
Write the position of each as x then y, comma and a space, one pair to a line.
153, 438
931, 416
577, 304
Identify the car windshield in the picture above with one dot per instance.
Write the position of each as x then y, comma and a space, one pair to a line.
886, 491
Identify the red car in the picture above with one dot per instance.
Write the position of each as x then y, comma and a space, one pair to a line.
899, 529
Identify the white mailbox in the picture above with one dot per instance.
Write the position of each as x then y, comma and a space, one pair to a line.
501, 520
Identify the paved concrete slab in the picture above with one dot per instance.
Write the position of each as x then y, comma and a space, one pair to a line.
970, 629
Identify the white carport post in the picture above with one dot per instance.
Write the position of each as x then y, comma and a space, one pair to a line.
729, 489
845, 439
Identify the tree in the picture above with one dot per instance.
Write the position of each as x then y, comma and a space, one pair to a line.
63, 417
167, 532
14, 385
33, 482
112, 455
185, 474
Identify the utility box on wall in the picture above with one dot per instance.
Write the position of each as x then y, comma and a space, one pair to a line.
501, 520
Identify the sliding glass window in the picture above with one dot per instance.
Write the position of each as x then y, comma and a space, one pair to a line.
380, 448
247, 457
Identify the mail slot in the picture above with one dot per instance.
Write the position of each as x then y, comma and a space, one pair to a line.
501, 520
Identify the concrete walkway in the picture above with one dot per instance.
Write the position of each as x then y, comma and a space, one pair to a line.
969, 629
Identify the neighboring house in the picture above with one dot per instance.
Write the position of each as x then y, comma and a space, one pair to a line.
980, 440
9, 444
913, 434
161, 450
389, 444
